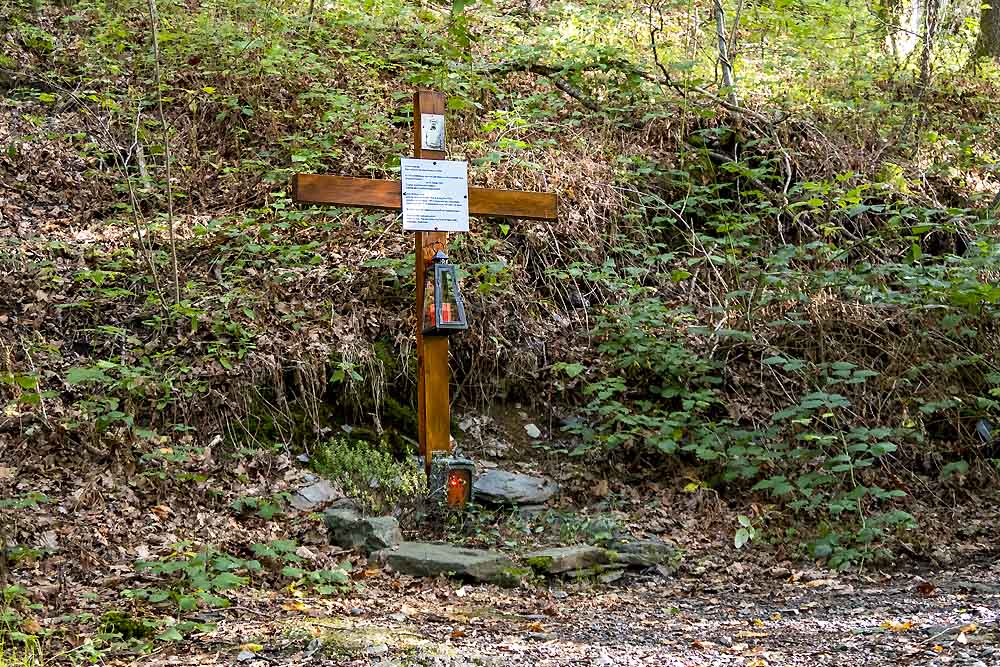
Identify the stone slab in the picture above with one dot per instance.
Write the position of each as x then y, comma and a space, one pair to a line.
643, 553
556, 560
349, 530
510, 488
318, 493
431, 559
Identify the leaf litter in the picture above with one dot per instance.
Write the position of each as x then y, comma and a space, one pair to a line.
722, 607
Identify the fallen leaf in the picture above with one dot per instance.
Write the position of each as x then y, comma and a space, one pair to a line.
937, 648
457, 634
894, 626
746, 634
536, 627
161, 511
970, 628
31, 626
295, 605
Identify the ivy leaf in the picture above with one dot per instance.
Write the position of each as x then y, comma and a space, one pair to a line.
742, 537
171, 634
573, 370
228, 580
954, 468
678, 275
159, 595
75, 376
267, 511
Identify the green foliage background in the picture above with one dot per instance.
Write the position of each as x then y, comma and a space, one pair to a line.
795, 293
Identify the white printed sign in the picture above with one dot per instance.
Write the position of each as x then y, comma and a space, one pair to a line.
435, 195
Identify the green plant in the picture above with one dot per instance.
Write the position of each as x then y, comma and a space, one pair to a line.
117, 624
656, 393
368, 474
21, 653
190, 578
19, 640
747, 532
28, 500
282, 553
266, 508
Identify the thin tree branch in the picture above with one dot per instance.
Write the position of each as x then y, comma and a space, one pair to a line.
154, 21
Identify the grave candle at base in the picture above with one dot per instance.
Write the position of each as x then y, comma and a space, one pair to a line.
457, 492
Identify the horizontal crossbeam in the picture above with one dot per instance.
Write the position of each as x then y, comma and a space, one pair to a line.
373, 193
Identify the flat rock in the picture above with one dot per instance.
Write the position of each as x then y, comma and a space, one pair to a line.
557, 560
598, 571
318, 493
643, 553
510, 488
349, 530
430, 559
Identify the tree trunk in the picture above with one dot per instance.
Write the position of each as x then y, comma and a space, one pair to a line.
903, 19
932, 20
728, 81
988, 44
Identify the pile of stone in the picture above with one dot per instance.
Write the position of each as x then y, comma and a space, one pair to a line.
380, 538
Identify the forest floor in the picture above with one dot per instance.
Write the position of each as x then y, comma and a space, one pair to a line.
722, 617
762, 606
134, 438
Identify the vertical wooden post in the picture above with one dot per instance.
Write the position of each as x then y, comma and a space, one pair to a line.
432, 353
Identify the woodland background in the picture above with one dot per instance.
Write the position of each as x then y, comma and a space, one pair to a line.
773, 287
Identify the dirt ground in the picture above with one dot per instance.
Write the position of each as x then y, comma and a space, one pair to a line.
718, 618
757, 607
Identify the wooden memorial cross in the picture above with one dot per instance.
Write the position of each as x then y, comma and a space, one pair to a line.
432, 351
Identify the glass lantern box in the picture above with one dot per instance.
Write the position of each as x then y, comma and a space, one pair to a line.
443, 311
451, 480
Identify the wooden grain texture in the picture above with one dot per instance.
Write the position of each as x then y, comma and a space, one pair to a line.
433, 392
437, 403
377, 194
430, 102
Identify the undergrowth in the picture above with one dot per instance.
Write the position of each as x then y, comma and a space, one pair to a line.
792, 289
368, 474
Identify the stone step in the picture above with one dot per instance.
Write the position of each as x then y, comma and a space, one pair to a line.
430, 559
